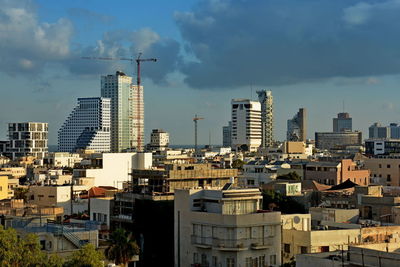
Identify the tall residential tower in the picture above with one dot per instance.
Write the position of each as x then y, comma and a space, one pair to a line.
267, 118
27, 139
87, 127
126, 125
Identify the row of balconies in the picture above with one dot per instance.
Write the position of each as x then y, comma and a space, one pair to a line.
232, 244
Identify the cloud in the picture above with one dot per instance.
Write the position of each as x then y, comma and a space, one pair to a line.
272, 43
27, 44
128, 44
85, 14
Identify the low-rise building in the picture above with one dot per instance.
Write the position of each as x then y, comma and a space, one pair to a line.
225, 228
112, 169
180, 176
334, 173
384, 170
61, 159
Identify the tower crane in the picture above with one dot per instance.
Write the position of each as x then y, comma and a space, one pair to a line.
139, 115
195, 120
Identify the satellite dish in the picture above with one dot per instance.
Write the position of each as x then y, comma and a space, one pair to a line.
296, 219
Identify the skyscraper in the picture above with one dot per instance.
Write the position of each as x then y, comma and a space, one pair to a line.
267, 117
27, 139
297, 126
342, 123
87, 127
227, 135
246, 124
126, 125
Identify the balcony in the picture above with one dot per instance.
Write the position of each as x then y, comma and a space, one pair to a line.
231, 244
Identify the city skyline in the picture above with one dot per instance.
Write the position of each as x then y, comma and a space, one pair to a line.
38, 85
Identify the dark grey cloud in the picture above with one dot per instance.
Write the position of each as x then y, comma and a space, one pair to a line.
271, 42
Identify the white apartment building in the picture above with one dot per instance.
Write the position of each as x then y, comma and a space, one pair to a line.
267, 117
62, 159
115, 168
246, 124
87, 127
225, 228
27, 139
159, 139
127, 111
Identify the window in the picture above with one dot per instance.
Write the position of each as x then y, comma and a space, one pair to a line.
380, 165
388, 166
230, 262
272, 259
195, 258
94, 216
105, 218
286, 248
214, 261
324, 249
261, 260
388, 178
248, 262
303, 250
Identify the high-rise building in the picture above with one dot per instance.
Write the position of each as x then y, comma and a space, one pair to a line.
127, 126
27, 139
246, 124
159, 139
376, 130
87, 127
297, 126
227, 135
267, 118
343, 123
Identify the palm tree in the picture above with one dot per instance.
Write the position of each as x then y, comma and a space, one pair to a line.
122, 247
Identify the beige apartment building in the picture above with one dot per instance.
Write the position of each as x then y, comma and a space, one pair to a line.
225, 228
385, 170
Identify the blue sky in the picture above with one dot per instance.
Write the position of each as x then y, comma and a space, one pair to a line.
310, 53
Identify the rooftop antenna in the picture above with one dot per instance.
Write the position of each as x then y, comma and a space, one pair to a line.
251, 90
343, 106
209, 139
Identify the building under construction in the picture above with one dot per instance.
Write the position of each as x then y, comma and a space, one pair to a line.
180, 176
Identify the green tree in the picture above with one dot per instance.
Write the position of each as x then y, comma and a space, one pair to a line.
292, 176
87, 256
237, 164
122, 247
277, 201
24, 251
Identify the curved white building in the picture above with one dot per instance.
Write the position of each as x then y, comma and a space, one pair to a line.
87, 127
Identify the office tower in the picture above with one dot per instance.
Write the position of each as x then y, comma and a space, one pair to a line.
159, 139
394, 131
27, 139
87, 127
337, 140
246, 124
376, 130
342, 123
297, 126
225, 228
126, 126
267, 117
227, 135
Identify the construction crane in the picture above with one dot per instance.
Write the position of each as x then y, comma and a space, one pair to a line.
138, 116
195, 120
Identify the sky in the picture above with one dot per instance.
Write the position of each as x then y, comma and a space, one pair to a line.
316, 54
